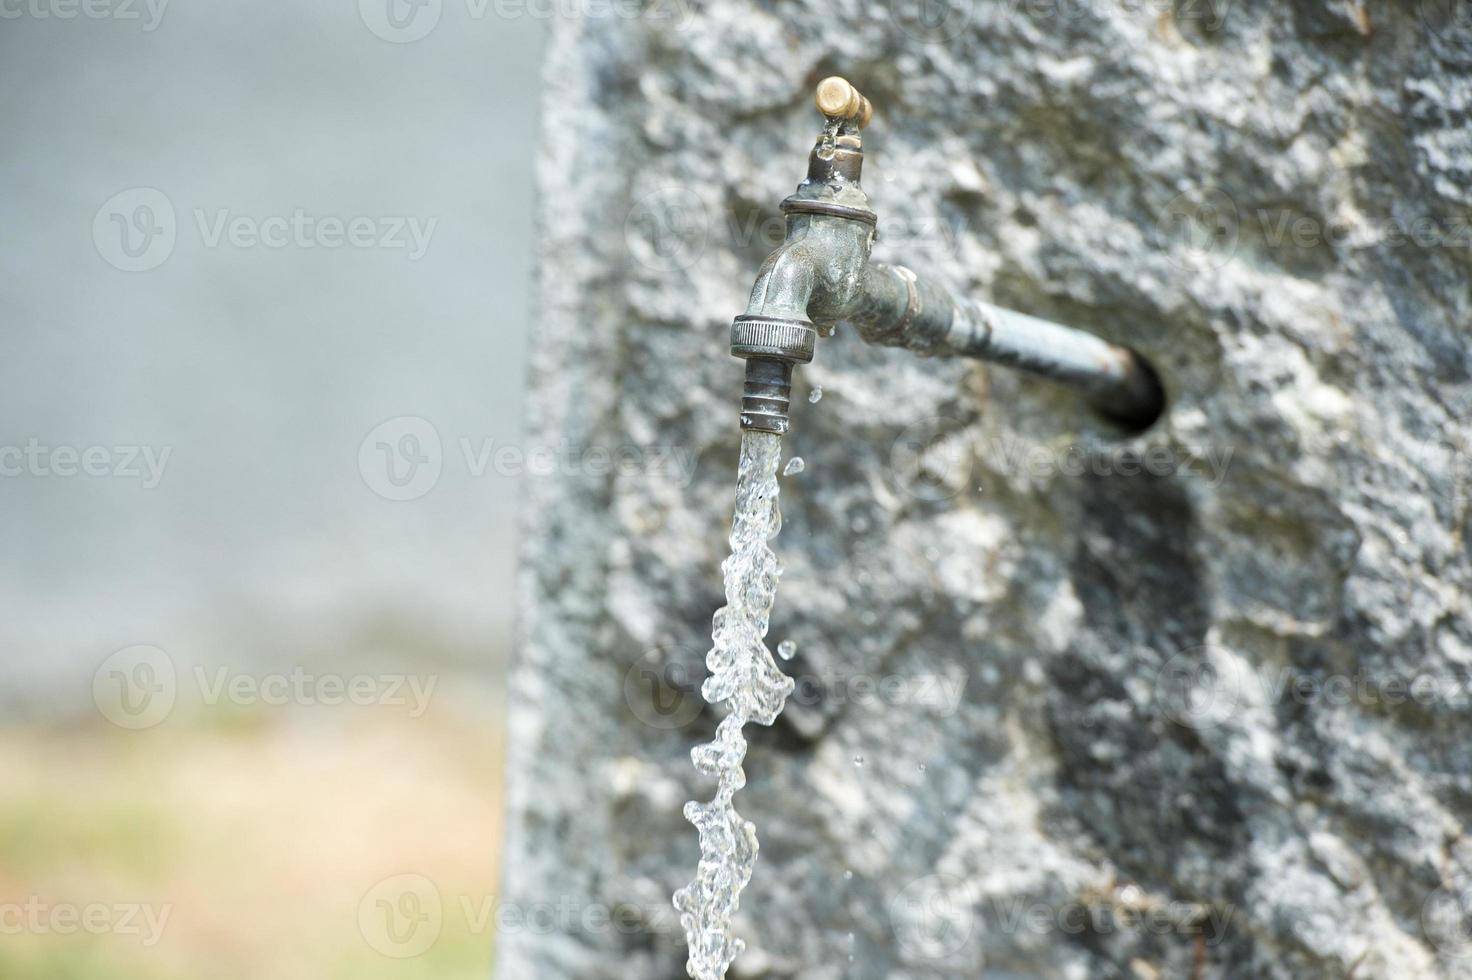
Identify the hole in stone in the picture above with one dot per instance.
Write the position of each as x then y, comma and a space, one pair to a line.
1147, 408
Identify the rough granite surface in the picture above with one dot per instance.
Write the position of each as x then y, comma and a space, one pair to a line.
1195, 703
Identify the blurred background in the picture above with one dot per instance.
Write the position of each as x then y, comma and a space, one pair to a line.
265, 300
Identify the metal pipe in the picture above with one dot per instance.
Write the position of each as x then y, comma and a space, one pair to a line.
899, 309
822, 274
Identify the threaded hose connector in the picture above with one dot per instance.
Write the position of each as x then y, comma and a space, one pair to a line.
771, 346
766, 395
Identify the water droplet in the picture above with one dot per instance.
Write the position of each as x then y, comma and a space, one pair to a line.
816, 395
787, 649
859, 761
794, 466
848, 875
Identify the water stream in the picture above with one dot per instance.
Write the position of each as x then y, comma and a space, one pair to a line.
744, 675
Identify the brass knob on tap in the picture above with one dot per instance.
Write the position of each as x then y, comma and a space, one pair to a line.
838, 99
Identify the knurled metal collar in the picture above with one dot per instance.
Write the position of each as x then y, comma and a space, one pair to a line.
765, 336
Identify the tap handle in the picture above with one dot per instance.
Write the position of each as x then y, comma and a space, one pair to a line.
838, 99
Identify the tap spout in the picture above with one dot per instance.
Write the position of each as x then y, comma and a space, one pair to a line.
822, 274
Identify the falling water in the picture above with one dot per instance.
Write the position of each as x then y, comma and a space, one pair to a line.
745, 676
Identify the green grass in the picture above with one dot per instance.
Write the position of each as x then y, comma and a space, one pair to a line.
76, 957
43, 831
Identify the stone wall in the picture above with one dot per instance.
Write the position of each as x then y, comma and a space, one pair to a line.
1192, 704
